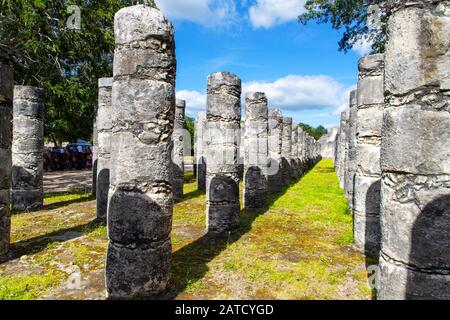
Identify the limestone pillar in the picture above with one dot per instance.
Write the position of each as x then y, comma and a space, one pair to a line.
140, 198
256, 151
223, 112
103, 149
415, 154
275, 142
178, 150
294, 149
300, 150
370, 104
342, 148
351, 154
200, 157
286, 149
6, 116
94, 155
27, 189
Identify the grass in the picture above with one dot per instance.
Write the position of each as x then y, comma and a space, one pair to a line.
299, 248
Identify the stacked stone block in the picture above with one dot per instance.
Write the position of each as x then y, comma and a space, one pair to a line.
178, 150
222, 135
294, 150
256, 151
351, 154
140, 198
370, 104
103, 149
286, 149
200, 157
342, 148
275, 132
415, 154
6, 116
27, 149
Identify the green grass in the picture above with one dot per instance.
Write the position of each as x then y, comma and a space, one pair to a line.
299, 248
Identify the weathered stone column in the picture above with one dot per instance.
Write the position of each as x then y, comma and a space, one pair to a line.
200, 157
351, 155
342, 148
241, 150
140, 198
275, 132
370, 104
94, 155
6, 116
294, 150
415, 156
27, 189
300, 151
103, 150
178, 150
286, 148
256, 151
223, 112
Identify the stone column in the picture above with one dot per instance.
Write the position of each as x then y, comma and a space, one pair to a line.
223, 112
241, 150
94, 155
256, 151
27, 149
200, 156
370, 104
351, 155
300, 150
294, 149
140, 197
274, 143
103, 149
6, 116
286, 149
415, 154
178, 150
342, 148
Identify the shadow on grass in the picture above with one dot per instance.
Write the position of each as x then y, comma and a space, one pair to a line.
87, 197
39, 243
189, 264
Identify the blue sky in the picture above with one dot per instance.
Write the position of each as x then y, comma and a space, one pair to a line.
299, 67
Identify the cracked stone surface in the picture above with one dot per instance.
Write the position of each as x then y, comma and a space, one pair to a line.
223, 112
415, 149
275, 143
28, 143
256, 151
178, 150
103, 152
140, 197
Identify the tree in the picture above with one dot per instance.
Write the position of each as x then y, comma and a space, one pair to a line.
316, 133
361, 20
66, 63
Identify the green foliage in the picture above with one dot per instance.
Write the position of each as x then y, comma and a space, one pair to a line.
316, 133
66, 63
350, 16
190, 126
27, 287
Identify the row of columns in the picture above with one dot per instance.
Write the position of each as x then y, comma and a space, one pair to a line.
393, 154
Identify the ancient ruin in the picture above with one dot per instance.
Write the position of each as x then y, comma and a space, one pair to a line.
286, 149
28, 142
178, 138
366, 197
275, 136
103, 128
140, 197
256, 151
200, 157
223, 117
415, 153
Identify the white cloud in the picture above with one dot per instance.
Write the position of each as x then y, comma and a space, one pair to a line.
294, 92
210, 13
363, 46
195, 101
268, 13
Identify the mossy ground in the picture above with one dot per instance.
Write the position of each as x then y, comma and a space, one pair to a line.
300, 247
